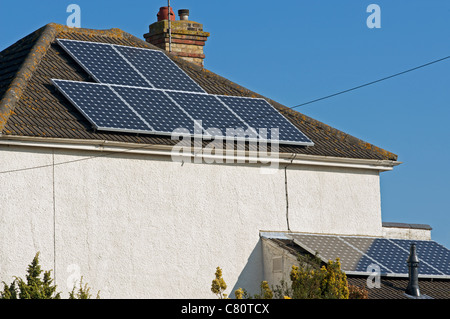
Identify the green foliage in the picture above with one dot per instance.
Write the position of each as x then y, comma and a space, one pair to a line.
37, 287
265, 291
282, 290
310, 280
34, 287
82, 292
326, 282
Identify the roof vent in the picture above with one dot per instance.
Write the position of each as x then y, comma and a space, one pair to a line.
184, 14
413, 273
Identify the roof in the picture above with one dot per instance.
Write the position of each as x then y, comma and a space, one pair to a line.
391, 286
394, 288
30, 105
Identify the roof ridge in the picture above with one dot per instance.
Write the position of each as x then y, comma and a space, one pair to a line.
20, 80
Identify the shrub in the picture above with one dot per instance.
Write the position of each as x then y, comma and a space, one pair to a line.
326, 282
36, 287
218, 285
356, 292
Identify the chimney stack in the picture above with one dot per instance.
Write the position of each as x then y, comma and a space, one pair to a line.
413, 272
187, 37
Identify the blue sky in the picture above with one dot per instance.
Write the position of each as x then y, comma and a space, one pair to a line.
296, 51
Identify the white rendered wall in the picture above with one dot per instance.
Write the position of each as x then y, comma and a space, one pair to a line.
406, 233
138, 226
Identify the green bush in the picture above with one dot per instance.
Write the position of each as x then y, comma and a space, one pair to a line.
310, 280
36, 287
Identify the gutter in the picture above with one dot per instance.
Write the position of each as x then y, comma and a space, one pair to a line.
290, 159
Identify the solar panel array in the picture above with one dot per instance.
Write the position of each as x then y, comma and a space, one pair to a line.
360, 254
144, 91
129, 66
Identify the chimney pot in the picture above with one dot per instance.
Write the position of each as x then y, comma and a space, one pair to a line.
184, 14
163, 14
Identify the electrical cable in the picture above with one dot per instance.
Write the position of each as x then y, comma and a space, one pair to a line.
293, 107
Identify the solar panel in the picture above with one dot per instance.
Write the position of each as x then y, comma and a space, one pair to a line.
359, 254
122, 65
103, 63
437, 256
259, 114
104, 109
157, 108
159, 69
213, 114
155, 111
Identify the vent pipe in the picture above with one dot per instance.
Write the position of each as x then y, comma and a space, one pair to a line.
413, 273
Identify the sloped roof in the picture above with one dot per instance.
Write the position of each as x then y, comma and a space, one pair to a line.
390, 287
394, 288
30, 105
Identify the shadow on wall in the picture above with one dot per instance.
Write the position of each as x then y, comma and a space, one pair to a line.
252, 274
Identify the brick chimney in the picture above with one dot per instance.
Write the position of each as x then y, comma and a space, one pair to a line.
188, 37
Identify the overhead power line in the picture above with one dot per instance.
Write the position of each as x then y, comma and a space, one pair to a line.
293, 107
370, 83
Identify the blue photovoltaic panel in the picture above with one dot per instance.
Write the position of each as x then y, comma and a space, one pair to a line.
101, 106
263, 117
211, 111
123, 65
159, 69
154, 111
180, 101
380, 251
436, 256
359, 254
156, 108
103, 63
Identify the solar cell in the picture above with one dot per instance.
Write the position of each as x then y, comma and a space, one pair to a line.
262, 116
435, 257
104, 109
123, 65
157, 109
159, 69
103, 63
211, 112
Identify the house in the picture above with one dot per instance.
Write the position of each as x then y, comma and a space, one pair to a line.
117, 209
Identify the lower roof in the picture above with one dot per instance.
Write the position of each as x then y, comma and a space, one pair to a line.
361, 255
388, 287
30, 105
